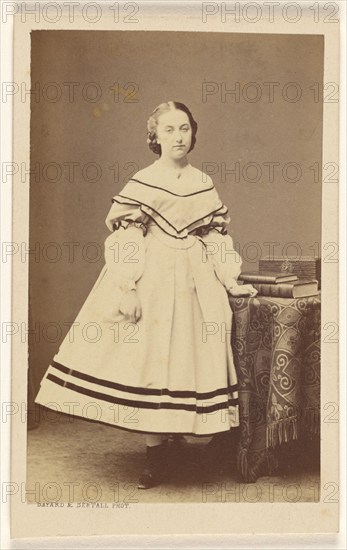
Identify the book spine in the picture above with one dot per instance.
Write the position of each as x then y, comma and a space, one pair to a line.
257, 278
280, 290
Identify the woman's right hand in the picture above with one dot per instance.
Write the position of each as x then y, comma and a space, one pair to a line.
130, 306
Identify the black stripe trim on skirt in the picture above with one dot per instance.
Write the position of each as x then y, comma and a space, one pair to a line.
142, 404
143, 391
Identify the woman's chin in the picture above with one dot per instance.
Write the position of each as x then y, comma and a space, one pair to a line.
178, 153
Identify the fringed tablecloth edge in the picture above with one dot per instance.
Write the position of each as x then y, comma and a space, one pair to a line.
286, 429
281, 431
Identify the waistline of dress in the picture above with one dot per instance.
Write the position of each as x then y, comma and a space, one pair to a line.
173, 242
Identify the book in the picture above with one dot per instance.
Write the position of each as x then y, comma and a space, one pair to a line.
302, 288
267, 277
306, 267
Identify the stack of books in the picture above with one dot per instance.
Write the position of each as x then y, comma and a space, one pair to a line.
307, 267
279, 284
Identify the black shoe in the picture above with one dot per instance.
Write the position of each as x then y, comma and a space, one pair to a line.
185, 459
155, 466
179, 448
220, 452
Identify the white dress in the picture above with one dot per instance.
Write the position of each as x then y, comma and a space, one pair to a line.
173, 370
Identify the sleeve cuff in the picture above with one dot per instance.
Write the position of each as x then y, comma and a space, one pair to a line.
232, 284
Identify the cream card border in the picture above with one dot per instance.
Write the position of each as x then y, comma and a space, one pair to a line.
222, 518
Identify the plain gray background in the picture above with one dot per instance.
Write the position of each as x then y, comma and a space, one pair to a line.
109, 132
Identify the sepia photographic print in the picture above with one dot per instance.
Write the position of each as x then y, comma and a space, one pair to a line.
175, 269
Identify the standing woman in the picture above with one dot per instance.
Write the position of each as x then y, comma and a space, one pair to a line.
157, 358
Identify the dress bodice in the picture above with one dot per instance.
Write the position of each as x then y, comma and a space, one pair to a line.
178, 209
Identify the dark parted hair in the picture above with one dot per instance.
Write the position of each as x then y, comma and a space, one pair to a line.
152, 123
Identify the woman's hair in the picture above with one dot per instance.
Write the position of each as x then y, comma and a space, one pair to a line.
152, 124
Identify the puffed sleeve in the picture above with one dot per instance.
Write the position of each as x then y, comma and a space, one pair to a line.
219, 247
124, 248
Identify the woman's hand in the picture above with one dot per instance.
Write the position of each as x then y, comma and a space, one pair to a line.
243, 290
130, 306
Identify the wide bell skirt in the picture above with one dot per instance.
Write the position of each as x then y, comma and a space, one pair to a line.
173, 370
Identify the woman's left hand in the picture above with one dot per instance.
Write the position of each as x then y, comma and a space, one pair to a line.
243, 290
130, 306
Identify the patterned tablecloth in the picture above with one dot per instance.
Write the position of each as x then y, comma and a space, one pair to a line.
276, 345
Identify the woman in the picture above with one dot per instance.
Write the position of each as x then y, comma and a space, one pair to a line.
150, 349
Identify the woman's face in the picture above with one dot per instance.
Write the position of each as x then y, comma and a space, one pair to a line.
174, 134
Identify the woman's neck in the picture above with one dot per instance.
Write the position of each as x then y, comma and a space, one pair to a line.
173, 164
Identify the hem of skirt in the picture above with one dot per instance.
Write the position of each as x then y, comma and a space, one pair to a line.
56, 398
144, 432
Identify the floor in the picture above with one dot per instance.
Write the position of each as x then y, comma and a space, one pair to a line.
74, 460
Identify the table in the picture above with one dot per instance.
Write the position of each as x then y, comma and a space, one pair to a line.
276, 346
